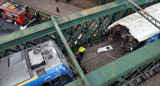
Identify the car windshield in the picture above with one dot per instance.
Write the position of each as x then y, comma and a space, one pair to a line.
25, 15
59, 81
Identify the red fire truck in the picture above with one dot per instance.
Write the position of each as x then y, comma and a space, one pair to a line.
14, 13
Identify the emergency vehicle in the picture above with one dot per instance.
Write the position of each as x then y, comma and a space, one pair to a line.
14, 13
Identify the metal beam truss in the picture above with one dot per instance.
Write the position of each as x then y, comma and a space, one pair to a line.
81, 28
83, 77
126, 69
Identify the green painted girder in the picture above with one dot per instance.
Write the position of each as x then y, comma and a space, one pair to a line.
70, 52
86, 28
113, 71
46, 28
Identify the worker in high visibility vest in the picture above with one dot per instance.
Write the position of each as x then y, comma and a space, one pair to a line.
78, 57
81, 51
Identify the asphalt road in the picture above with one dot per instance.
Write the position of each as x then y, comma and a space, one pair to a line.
6, 27
93, 60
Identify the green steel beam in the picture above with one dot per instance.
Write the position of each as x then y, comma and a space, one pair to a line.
113, 71
70, 52
145, 14
120, 1
46, 28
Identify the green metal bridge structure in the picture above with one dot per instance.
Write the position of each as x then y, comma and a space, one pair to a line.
90, 24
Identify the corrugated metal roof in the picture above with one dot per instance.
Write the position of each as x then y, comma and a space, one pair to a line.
139, 27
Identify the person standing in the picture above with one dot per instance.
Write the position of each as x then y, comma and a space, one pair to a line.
78, 57
67, 1
81, 51
57, 9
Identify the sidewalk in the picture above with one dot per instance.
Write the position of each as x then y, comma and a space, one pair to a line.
50, 6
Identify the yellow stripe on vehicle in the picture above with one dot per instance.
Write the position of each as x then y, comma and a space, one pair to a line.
29, 80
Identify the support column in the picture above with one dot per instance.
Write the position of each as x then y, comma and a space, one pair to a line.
70, 52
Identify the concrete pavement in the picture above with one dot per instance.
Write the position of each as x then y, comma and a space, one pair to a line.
50, 6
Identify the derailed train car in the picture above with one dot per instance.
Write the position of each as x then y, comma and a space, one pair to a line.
135, 31
42, 65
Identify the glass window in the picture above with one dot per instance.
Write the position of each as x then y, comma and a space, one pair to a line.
45, 84
25, 16
15, 16
61, 80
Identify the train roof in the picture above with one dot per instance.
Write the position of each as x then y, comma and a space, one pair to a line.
10, 7
28, 63
138, 26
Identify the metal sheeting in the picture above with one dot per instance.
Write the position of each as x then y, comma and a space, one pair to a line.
17, 70
15, 59
138, 26
35, 57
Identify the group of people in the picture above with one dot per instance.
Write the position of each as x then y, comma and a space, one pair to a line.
57, 9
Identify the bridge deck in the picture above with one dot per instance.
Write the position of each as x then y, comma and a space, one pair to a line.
115, 69
6, 28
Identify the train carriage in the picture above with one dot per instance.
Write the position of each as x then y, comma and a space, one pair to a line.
42, 65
